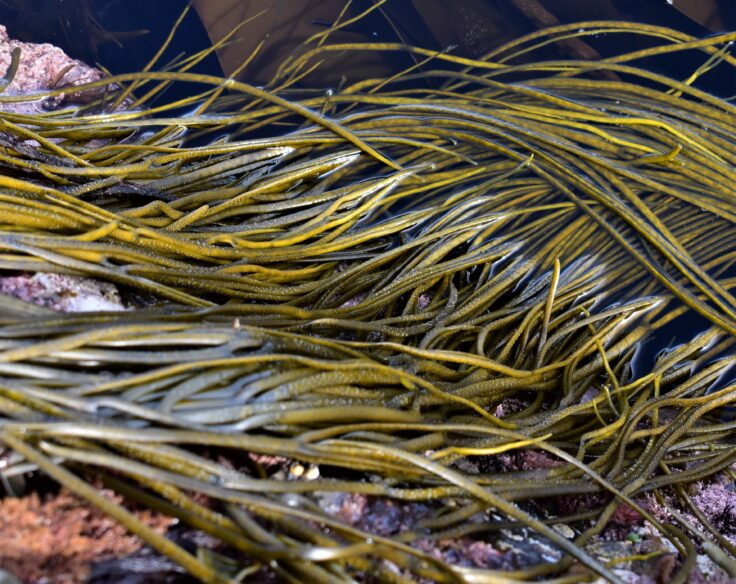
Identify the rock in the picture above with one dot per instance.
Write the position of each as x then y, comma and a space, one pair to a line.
719, 505
63, 293
43, 67
564, 530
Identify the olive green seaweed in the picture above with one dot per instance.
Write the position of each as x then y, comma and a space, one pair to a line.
392, 283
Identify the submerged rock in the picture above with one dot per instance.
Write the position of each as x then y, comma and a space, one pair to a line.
42, 67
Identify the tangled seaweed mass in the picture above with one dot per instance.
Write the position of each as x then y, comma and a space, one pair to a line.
394, 284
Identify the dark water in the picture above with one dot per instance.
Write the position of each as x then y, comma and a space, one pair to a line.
86, 29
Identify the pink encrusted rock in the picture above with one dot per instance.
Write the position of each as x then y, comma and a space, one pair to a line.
353, 302
423, 301
509, 406
719, 505
63, 293
41, 67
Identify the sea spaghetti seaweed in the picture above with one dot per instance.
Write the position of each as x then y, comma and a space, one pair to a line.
395, 282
